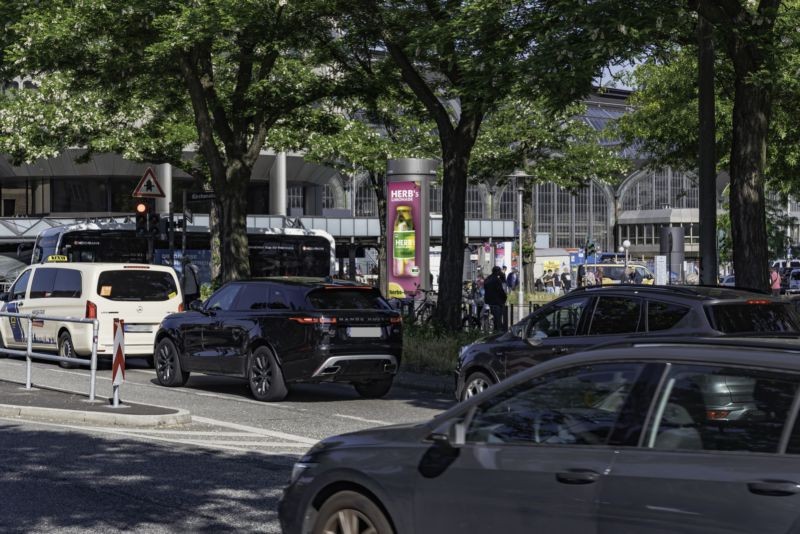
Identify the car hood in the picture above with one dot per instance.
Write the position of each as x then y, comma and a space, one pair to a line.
392, 434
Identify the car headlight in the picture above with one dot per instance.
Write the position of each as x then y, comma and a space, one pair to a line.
298, 469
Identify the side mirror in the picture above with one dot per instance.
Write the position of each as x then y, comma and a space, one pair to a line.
4, 297
454, 436
196, 305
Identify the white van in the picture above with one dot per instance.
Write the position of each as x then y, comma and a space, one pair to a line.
141, 295
794, 281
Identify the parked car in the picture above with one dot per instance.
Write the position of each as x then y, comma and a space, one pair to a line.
278, 331
728, 280
627, 439
793, 281
141, 295
591, 316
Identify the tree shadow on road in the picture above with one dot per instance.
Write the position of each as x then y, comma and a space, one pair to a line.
71, 481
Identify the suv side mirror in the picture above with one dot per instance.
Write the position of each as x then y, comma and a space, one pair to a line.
196, 305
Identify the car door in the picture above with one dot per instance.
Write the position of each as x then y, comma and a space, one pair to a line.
14, 329
237, 324
614, 318
40, 302
554, 331
710, 460
203, 340
534, 455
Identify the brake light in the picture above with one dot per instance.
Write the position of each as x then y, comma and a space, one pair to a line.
396, 320
759, 301
180, 307
314, 320
91, 310
717, 414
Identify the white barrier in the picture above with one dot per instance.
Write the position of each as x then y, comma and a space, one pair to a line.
29, 354
118, 362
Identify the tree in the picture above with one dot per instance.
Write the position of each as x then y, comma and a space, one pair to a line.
461, 59
239, 67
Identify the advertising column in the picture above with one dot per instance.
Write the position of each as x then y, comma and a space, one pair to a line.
408, 225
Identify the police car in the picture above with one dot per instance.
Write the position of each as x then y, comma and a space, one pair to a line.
141, 295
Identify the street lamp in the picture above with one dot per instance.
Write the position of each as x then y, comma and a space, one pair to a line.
519, 174
625, 246
491, 186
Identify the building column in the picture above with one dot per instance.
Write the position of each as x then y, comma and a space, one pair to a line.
164, 177
313, 200
277, 186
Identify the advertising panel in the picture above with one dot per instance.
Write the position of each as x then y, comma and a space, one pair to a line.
405, 222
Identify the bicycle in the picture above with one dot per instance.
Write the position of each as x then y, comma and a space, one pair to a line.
425, 308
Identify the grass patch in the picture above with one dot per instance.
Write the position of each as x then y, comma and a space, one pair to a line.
431, 350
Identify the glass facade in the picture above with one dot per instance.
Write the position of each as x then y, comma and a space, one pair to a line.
366, 201
572, 218
661, 189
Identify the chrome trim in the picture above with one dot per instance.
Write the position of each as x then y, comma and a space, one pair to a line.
333, 360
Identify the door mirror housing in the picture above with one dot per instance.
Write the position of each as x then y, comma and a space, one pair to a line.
454, 435
196, 305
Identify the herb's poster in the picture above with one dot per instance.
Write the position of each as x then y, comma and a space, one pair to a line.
407, 226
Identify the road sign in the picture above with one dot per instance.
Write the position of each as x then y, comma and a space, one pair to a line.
202, 195
148, 186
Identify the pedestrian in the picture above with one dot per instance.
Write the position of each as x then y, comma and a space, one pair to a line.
775, 281
547, 280
557, 284
539, 285
512, 279
581, 275
191, 284
598, 276
566, 280
495, 296
590, 279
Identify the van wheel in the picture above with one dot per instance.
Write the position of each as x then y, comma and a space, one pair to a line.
168, 364
375, 389
265, 377
66, 349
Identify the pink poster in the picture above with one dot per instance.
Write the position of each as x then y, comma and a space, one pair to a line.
404, 226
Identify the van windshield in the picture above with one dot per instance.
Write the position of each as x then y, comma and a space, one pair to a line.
137, 285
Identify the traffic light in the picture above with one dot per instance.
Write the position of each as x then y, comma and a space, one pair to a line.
590, 250
153, 221
142, 210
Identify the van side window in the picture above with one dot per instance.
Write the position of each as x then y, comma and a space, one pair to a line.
42, 284
20, 286
67, 284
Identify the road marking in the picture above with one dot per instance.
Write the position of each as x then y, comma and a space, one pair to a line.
356, 418
255, 430
247, 443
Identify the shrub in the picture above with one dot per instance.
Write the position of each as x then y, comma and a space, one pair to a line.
431, 349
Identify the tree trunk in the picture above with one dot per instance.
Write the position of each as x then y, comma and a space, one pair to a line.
751, 115
213, 230
451, 272
528, 255
379, 187
707, 161
232, 204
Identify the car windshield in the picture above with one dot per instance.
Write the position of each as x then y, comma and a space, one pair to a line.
139, 285
760, 316
347, 299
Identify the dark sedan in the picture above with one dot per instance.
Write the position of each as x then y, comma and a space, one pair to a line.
624, 439
588, 317
275, 332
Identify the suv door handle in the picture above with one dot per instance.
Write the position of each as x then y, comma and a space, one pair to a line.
774, 488
577, 476
560, 350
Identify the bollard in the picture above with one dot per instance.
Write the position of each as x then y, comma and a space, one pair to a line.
93, 364
118, 365
28, 352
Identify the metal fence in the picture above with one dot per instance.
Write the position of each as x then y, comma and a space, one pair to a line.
29, 354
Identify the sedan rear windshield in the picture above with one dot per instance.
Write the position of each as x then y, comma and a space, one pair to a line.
743, 318
347, 299
137, 285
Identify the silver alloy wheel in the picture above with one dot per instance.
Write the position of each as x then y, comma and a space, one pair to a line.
475, 386
349, 521
261, 374
165, 362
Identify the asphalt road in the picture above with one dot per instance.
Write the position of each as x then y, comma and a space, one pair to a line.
223, 472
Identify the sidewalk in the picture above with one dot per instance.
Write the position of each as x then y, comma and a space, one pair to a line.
67, 407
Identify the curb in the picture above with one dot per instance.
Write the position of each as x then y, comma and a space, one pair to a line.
182, 417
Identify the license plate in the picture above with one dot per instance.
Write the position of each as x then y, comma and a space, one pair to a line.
139, 328
365, 331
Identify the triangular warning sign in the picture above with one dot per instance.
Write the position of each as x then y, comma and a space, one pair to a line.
148, 186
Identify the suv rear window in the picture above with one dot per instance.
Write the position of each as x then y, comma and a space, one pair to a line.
346, 299
144, 285
741, 318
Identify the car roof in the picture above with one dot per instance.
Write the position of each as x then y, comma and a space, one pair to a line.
89, 266
695, 292
309, 282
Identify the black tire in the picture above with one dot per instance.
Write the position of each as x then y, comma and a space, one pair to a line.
365, 515
475, 383
374, 389
168, 364
264, 376
66, 348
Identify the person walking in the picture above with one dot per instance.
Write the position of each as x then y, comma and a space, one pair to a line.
775, 281
495, 296
566, 280
512, 279
581, 275
191, 285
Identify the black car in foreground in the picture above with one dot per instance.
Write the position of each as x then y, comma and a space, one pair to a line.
278, 331
592, 316
629, 439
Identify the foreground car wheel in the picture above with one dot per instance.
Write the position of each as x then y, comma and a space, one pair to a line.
265, 377
348, 512
168, 365
375, 389
476, 383
66, 349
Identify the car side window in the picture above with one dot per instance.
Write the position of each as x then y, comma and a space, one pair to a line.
616, 315
278, 298
664, 315
224, 298
576, 406
19, 288
254, 297
714, 408
562, 320
42, 284
68, 284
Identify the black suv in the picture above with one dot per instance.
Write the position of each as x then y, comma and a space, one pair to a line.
591, 316
276, 331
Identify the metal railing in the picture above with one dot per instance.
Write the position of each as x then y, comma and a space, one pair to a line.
29, 354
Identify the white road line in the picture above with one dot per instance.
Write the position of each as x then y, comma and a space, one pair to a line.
246, 443
145, 431
255, 430
356, 418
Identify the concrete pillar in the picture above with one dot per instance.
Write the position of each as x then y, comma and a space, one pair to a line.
164, 177
313, 200
277, 186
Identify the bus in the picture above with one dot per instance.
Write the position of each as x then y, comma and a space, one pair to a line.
272, 251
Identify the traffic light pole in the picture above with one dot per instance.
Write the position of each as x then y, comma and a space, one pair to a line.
171, 232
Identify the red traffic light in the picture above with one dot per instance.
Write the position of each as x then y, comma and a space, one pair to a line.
141, 207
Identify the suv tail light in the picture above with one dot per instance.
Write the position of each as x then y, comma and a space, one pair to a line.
396, 320
91, 310
314, 320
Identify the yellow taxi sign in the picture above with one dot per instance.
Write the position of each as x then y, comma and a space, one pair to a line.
56, 258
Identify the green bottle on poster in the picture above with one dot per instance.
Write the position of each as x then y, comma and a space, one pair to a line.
404, 251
